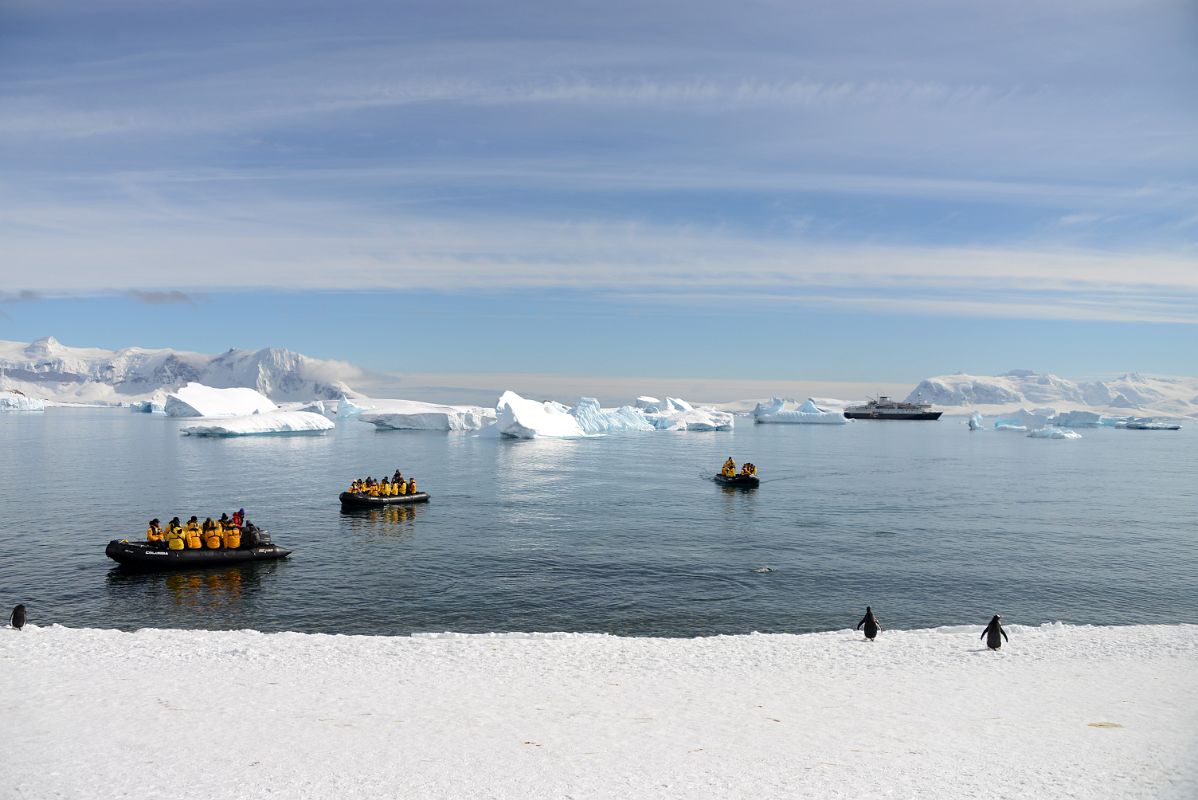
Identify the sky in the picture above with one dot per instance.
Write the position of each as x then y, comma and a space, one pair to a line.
753, 191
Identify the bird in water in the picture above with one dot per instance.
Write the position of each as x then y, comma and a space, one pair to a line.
17, 617
993, 631
872, 626
763, 569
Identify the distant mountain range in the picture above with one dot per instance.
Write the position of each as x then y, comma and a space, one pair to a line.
1130, 394
51, 370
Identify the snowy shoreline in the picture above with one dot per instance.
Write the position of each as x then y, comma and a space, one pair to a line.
1061, 711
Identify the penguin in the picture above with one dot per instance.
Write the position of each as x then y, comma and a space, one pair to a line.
993, 631
872, 626
17, 617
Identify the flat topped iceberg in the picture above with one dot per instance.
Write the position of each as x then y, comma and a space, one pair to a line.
1023, 419
808, 413
1053, 433
19, 401
1077, 419
518, 418
198, 400
679, 415
256, 424
411, 415
594, 419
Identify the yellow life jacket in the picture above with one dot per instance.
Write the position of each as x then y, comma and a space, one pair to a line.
154, 534
174, 539
212, 538
233, 538
194, 542
403, 488
412, 486
374, 491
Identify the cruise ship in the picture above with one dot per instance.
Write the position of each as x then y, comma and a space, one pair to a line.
885, 408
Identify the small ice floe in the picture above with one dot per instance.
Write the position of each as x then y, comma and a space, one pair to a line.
1053, 433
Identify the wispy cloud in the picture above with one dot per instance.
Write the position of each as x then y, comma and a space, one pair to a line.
160, 298
934, 155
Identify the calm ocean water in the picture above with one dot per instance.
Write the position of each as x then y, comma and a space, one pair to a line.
926, 522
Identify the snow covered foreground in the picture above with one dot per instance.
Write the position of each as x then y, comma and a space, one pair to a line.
1059, 712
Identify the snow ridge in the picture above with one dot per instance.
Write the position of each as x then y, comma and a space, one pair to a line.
1132, 391
47, 368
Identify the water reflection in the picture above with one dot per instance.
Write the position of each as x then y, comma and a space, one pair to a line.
384, 519
215, 589
535, 465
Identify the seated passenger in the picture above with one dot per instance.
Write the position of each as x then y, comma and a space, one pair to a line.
232, 536
154, 532
411, 486
729, 470
192, 531
174, 539
239, 517
212, 537
373, 491
403, 488
225, 522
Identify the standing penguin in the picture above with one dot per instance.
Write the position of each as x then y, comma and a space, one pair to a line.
872, 626
992, 633
17, 617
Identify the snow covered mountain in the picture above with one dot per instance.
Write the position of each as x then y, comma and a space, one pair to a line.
1128, 394
51, 370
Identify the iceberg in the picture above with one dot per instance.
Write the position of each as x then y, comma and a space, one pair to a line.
256, 424
646, 403
808, 413
1024, 420
1077, 419
1053, 433
679, 415
13, 400
1147, 424
348, 408
975, 421
411, 415
593, 419
198, 400
518, 418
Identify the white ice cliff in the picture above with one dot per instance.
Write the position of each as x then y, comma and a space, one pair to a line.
518, 418
808, 413
267, 423
197, 400
19, 401
594, 419
417, 416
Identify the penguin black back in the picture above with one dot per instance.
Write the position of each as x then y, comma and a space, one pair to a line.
872, 626
994, 634
17, 617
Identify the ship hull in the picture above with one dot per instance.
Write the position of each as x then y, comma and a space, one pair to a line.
923, 415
